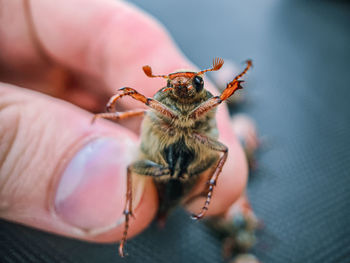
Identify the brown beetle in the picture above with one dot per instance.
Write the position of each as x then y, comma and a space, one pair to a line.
178, 137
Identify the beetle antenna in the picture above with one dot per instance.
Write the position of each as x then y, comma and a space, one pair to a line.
148, 71
217, 64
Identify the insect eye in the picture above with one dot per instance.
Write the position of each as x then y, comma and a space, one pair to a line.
198, 83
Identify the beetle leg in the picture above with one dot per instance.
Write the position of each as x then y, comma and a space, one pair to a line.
127, 210
211, 103
216, 146
235, 83
118, 115
154, 104
149, 168
142, 167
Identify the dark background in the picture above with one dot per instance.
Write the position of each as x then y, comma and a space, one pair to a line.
299, 94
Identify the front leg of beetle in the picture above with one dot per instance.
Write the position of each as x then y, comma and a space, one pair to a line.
216, 146
211, 103
154, 104
118, 115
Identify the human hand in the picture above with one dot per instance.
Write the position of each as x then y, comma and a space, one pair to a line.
58, 172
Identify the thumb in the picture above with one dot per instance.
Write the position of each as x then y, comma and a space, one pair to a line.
61, 174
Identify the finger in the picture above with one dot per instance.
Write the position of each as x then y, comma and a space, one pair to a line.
95, 41
61, 174
108, 49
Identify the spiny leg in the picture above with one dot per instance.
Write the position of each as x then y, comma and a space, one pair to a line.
118, 115
230, 89
202, 193
212, 184
235, 83
121, 93
127, 210
142, 167
154, 104
216, 146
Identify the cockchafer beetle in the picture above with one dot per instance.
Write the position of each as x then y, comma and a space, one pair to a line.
178, 137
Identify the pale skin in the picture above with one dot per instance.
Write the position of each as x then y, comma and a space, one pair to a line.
84, 72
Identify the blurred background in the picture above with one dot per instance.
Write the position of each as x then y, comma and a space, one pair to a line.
298, 92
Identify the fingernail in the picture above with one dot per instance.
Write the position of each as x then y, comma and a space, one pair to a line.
91, 191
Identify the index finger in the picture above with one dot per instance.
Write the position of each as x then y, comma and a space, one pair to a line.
110, 40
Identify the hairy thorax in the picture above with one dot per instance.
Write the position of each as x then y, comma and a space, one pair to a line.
171, 143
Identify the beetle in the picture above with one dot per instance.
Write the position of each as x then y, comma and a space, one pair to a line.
178, 137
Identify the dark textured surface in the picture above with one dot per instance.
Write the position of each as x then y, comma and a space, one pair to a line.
299, 91
181, 240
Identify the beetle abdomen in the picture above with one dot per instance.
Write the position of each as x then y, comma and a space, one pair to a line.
179, 157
